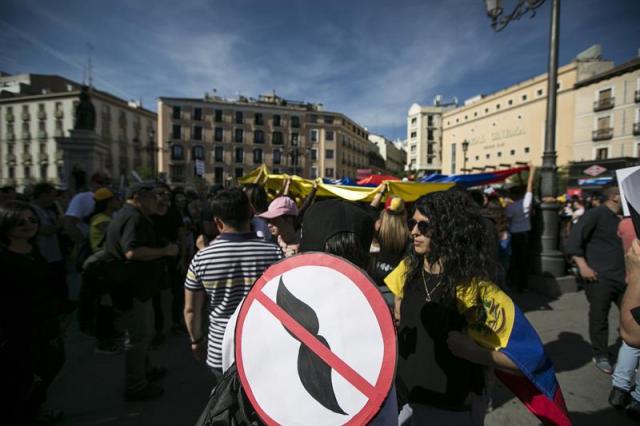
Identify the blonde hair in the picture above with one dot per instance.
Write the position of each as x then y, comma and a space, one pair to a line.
393, 233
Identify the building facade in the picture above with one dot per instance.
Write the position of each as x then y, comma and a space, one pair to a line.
424, 137
607, 116
36, 110
508, 127
395, 157
220, 139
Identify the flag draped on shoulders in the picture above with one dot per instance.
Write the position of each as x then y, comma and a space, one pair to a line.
496, 323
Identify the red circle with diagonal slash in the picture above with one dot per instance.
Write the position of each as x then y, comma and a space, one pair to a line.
376, 393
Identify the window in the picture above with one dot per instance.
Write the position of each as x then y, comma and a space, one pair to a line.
414, 134
239, 172
486, 110
413, 120
513, 152
239, 155
258, 136
294, 139
328, 172
239, 117
602, 153
276, 138
328, 154
524, 97
413, 149
328, 135
176, 132
488, 156
430, 149
197, 114
453, 158
510, 102
257, 156
259, 119
430, 135
499, 154
314, 135
197, 133
497, 106
313, 118
27, 172
457, 120
277, 156
197, 152
429, 120
314, 173
477, 157
218, 116
276, 120
475, 114
43, 171
218, 175
238, 135
218, 134
526, 150
328, 119
177, 153
295, 121
176, 113
314, 154
42, 126
466, 117
218, 152
539, 92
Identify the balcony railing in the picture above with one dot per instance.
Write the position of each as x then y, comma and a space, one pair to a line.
59, 114
605, 103
26, 116
43, 158
10, 117
602, 134
42, 115
636, 129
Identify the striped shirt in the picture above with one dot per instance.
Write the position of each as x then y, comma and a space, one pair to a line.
226, 270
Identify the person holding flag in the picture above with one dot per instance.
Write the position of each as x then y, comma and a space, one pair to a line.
455, 323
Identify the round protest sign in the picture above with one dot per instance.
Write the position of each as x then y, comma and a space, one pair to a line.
315, 343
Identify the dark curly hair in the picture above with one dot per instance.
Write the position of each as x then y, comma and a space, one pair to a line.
457, 235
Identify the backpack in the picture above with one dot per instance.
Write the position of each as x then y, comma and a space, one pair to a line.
228, 405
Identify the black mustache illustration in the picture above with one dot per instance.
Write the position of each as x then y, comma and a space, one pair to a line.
314, 373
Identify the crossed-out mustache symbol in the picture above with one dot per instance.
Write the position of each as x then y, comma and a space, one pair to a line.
315, 374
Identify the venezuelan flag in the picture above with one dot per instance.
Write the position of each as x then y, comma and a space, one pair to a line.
496, 323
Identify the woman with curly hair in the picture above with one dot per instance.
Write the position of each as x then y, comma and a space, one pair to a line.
440, 368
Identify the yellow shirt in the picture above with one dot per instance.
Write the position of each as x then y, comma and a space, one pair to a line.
96, 235
396, 278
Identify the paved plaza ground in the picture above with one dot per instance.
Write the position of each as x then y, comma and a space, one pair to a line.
89, 387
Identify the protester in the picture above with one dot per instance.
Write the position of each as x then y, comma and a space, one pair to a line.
281, 218
132, 240
597, 251
80, 208
222, 274
32, 350
258, 199
106, 204
440, 373
50, 218
519, 215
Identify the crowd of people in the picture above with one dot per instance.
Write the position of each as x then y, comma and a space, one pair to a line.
156, 261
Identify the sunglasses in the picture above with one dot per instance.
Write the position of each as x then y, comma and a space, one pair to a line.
27, 220
423, 225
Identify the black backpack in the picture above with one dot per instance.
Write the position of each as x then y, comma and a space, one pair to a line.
228, 405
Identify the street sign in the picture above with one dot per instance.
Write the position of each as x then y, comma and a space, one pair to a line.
315, 343
594, 170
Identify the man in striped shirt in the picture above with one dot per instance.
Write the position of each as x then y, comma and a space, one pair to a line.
224, 272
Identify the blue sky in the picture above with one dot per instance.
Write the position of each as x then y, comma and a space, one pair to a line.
368, 59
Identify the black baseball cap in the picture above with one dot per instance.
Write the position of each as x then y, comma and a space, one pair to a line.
325, 219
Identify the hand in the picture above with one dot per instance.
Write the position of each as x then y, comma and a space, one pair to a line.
197, 350
315, 184
201, 242
463, 346
171, 250
632, 263
587, 273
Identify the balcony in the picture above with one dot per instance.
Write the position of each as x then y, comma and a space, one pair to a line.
42, 115
26, 159
602, 134
26, 116
26, 134
59, 114
43, 158
10, 117
11, 136
11, 159
636, 129
42, 134
603, 104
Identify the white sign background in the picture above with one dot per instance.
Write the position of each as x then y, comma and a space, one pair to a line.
270, 354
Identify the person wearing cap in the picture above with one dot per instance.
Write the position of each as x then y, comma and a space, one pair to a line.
132, 241
80, 208
106, 204
281, 218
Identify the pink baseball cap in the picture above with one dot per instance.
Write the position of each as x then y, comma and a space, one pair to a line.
279, 207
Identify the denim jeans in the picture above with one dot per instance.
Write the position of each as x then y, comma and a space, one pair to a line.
625, 375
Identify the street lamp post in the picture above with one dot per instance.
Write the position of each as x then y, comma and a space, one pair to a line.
465, 148
551, 259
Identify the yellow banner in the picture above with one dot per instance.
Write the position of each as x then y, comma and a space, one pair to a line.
299, 187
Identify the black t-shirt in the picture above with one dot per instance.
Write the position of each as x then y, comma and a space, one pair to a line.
128, 230
428, 373
167, 226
